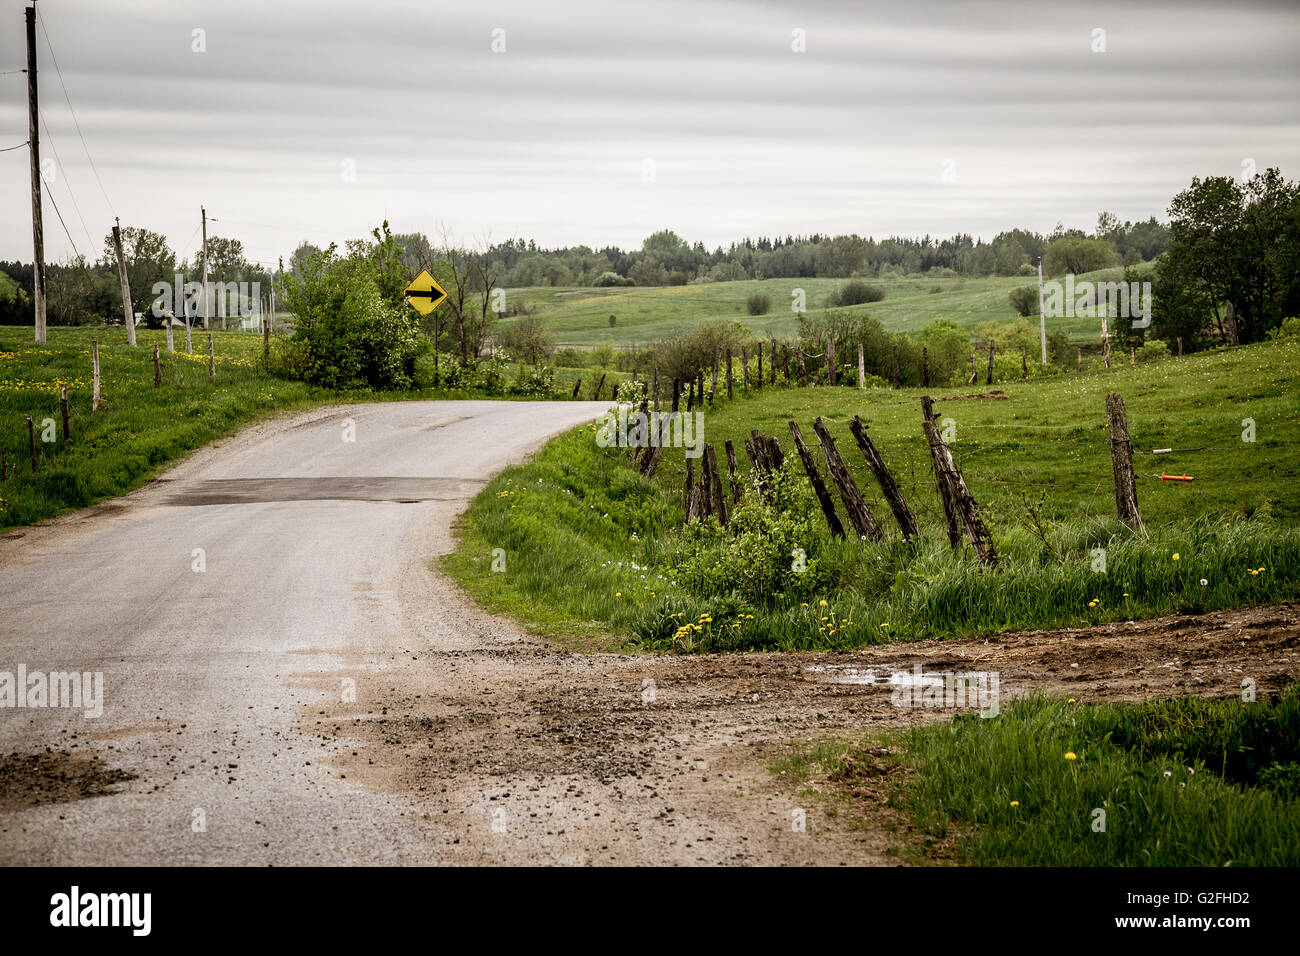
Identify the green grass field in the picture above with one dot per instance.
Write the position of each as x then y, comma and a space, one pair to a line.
595, 549
580, 317
1051, 782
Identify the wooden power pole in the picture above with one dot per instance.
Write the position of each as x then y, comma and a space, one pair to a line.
204, 213
128, 313
34, 149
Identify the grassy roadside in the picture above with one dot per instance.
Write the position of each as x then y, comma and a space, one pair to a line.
141, 429
1050, 782
594, 548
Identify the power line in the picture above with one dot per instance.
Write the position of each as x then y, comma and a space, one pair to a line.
19, 146
55, 60
67, 181
50, 193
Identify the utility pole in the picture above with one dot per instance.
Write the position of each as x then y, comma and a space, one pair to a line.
1042, 319
34, 148
127, 310
204, 213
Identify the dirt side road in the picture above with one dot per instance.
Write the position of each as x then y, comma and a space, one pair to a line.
319, 695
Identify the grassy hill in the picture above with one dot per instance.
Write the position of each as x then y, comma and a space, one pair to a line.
580, 317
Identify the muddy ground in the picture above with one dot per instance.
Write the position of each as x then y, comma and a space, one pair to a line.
528, 754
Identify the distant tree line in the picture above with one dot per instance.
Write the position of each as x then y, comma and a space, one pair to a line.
667, 259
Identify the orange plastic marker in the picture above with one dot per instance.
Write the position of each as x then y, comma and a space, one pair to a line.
1164, 477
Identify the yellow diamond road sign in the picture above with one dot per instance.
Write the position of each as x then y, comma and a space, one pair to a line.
424, 293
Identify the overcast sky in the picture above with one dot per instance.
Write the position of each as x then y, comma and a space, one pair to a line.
602, 122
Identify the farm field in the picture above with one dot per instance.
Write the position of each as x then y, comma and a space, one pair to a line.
580, 317
1036, 458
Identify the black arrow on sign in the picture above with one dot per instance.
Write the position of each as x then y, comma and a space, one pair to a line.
424, 293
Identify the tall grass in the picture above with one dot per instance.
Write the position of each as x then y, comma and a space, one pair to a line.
1185, 782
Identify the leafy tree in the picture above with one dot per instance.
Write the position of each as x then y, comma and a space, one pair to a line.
148, 260
1231, 243
1077, 254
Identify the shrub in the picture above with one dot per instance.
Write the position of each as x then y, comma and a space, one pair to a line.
347, 333
1153, 351
856, 292
611, 279
534, 380
1025, 300
759, 303
1289, 329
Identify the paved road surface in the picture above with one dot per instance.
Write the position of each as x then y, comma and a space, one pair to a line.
306, 538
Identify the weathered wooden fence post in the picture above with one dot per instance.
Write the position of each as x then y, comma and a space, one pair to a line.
1180, 346
577, 385
266, 337
688, 501
677, 394
758, 382
713, 389
962, 500
599, 387
729, 374
974, 375
94, 364
772, 373
950, 519
736, 487
823, 496
803, 369
212, 358
157, 368
894, 366
888, 486
862, 368
744, 368
1121, 459
1105, 343
171, 344
830, 361
719, 503
63, 407
31, 441
1024, 364
990, 377
1078, 358
855, 506
925, 366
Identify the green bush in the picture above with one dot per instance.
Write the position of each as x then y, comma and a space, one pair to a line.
1025, 300
612, 279
758, 304
856, 292
347, 332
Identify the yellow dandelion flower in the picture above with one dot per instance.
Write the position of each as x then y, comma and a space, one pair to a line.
1070, 756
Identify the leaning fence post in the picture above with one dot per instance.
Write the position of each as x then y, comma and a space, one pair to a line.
1121, 458
855, 506
823, 496
212, 359
963, 501
940, 476
888, 486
